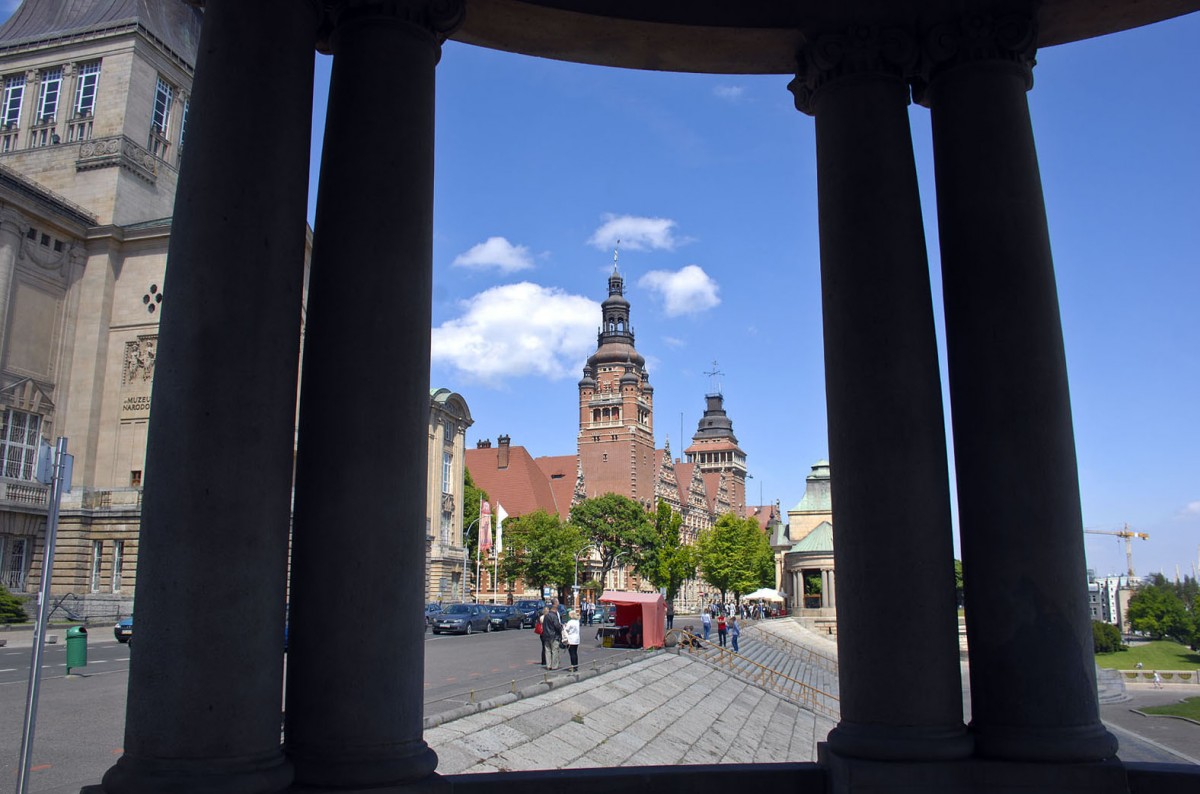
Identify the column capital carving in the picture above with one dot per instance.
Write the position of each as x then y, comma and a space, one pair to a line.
873, 50
1007, 39
440, 17
12, 222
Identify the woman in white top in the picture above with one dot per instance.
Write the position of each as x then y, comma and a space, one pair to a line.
571, 638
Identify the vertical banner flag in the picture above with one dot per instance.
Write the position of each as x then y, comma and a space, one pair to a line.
500, 516
485, 525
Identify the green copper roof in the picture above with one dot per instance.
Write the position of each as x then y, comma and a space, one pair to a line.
819, 540
816, 491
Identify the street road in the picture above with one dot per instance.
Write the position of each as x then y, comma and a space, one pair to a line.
81, 718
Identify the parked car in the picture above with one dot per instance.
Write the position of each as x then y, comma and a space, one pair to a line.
462, 619
431, 610
530, 609
505, 617
123, 631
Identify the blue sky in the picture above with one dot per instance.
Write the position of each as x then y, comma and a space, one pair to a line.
710, 182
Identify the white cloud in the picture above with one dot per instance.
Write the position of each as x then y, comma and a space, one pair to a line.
685, 291
517, 330
496, 252
731, 93
671, 341
635, 234
1192, 509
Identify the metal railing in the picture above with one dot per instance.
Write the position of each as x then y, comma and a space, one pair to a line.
802, 652
798, 692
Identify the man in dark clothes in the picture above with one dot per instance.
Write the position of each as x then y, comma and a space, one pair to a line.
552, 629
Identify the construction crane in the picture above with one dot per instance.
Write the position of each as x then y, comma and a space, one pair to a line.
1126, 533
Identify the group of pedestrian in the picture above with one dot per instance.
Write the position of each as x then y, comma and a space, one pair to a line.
727, 628
556, 635
758, 610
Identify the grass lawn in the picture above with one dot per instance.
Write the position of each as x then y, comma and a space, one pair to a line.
1189, 708
1158, 655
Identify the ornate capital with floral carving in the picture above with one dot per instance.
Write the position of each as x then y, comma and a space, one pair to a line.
439, 17
1009, 39
890, 52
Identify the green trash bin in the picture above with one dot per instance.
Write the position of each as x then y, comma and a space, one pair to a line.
76, 647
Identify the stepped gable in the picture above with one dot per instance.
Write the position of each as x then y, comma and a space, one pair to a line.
173, 23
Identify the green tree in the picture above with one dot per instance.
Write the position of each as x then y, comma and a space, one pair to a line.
735, 556
540, 548
666, 562
11, 610
1106, 638
615, 525
472, 496
1157, 610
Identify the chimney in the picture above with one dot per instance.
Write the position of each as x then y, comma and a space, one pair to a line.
502, 452
483, 443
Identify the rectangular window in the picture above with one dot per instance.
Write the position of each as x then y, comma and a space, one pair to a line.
447, 472
85, 89
14, 92
48, 96
118, 561
183, 127
446, 526
97, 558
20, 437
160, 118
13, 552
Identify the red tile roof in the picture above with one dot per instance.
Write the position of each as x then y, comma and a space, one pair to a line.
522, 487
560, 471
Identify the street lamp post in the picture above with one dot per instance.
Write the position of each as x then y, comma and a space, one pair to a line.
466, 534
575, 588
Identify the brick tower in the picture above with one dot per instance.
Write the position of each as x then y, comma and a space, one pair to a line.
616, 407
715, 449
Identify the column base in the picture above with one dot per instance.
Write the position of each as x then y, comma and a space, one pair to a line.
970, 776
1060, 744
131, 775
353, 769
898, 743
432, 784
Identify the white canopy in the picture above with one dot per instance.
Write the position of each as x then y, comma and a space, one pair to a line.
764, 594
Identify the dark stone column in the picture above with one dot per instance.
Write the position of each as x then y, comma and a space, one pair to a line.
901, 690
1018, 490
356, 662
206, 680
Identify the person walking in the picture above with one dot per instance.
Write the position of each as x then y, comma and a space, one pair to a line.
552, 629
735, 631
1157, 680
670, 614
539, 628
706, 623
571, 638
722, 629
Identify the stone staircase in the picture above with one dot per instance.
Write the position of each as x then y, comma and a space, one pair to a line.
791, 670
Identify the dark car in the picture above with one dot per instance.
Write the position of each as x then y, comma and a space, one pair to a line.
505, 617
530, 609
123, 631
461, 619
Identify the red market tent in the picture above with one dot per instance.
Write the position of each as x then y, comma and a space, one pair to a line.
650, 607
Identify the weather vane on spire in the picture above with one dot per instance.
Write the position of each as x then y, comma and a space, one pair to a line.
616, 251
714, 379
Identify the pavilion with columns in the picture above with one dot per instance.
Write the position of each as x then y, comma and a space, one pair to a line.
202, 719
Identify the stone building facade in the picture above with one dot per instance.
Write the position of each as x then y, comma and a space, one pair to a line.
93, 107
